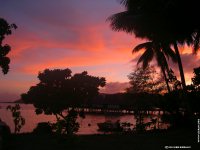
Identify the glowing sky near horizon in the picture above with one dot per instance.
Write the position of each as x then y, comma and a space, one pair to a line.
69, 34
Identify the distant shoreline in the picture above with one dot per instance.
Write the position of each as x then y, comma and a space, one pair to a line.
14, 101
10, 102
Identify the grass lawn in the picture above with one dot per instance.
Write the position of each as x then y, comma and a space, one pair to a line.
152, 141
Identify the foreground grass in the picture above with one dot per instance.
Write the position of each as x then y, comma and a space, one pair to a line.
153, 141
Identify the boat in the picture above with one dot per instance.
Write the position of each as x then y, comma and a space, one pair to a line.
110, 126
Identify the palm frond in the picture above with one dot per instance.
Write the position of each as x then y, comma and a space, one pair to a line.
124, 2
146, 57
168, 52
129, 4
189, 40
125, 21
120, 21
145, 45
196, 44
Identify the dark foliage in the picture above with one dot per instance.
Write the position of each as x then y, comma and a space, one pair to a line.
162, 21
4, 130
59, 91
196, 79
145, 80
159, 19
159, 50
68, 124
43, 128
5, 29
18, 120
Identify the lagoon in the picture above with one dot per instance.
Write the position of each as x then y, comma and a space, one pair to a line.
88, 125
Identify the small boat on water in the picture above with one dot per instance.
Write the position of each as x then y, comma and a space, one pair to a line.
109, 126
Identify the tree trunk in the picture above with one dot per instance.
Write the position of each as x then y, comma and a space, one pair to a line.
180, 66
166, 80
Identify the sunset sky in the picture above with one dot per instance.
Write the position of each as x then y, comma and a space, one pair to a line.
69, 34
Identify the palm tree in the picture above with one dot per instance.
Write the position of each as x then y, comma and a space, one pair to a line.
158, 20
158, 50
180, 65
196, 43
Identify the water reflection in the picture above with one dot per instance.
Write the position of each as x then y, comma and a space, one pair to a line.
87, 125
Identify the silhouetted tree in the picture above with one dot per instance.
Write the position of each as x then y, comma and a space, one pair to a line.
5, 29
161, 21
67, 124
58, 90
182, 107
146, 84
158, 50
174, 83
196, 79
18, 120
145, 81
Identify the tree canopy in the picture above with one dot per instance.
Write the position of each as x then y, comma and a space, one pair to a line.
145, 81
59, 89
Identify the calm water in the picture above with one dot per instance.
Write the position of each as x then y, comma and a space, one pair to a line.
28, 112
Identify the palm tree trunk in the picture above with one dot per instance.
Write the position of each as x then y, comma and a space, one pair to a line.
166, 80
180, 66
